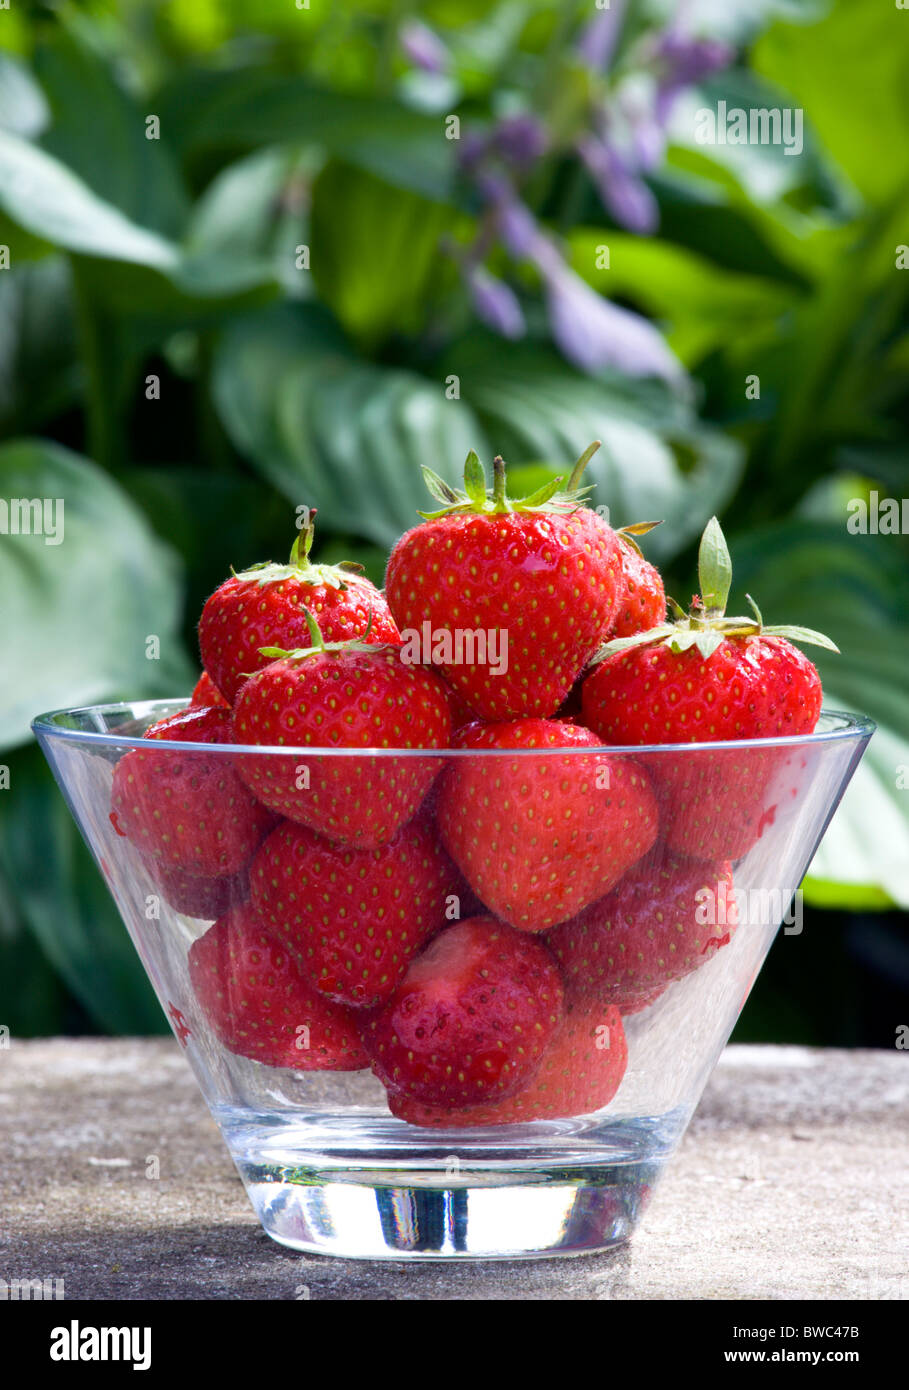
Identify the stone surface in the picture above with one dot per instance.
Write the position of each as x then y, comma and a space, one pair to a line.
792, 1182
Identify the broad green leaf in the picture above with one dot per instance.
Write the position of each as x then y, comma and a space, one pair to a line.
39, 374
100, 134
656, 462
345, 436
85, 585
58, 892
23, 108
851, 72
375, 252
703, 305
248, 109
41, 195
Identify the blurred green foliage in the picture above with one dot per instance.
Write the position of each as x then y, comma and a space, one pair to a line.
172, 371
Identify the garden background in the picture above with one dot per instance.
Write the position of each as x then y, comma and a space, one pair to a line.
257, 255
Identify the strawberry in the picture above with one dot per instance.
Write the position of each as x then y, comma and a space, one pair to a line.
581, 1071
342, 695
194, 895
266, 606
509, 598
471, 1019
708, 678
540, 837
205, 692
642, 601
354, 917
659, 924
188, 809
260, 1005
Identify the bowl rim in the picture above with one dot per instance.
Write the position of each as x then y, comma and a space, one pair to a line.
847, 726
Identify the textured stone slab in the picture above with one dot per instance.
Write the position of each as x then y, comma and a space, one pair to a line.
792, 1182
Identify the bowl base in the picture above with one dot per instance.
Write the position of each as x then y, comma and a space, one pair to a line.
384, 1191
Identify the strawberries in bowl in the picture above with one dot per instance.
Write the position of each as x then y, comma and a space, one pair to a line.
440, 836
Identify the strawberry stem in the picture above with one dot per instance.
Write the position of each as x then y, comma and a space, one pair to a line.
499, 499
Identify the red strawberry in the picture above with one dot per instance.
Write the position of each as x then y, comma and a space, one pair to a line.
195, 896
266, 606
342, 696
642, 602
188, 809
580, 1073
540, 837
260, 1005
472, 1018
509, 598
353, 917
708, 678
205, 692
659, 924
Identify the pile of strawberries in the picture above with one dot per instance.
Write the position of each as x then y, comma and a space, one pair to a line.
425, 854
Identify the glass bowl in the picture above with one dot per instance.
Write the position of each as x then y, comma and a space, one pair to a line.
628, 896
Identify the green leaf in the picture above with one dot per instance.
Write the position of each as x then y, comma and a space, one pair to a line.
83, 591
39, 375
99, 133
375, 252
43, 196
65, 902
475, 479
656, 458
865, 47
23, 108
714, 567
332, 432
246, 109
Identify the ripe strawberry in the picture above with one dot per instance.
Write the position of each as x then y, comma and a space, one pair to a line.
513, 596
205, 692
354, 918
642, 601
266, 606
342, 696
188, 809
260, 1005
471, 1019
581, 1071
659, 924
708, 678
193, 895
540, 837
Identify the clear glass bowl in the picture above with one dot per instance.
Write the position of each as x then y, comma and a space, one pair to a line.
328, 1168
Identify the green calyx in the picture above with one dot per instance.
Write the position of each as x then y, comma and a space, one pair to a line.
319, 645
479, 498
706, 625
300, 566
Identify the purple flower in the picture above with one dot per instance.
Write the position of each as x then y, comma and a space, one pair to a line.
598, 41
520, 140
622, 193
593, 333
495, 303
423, 48
683, 62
